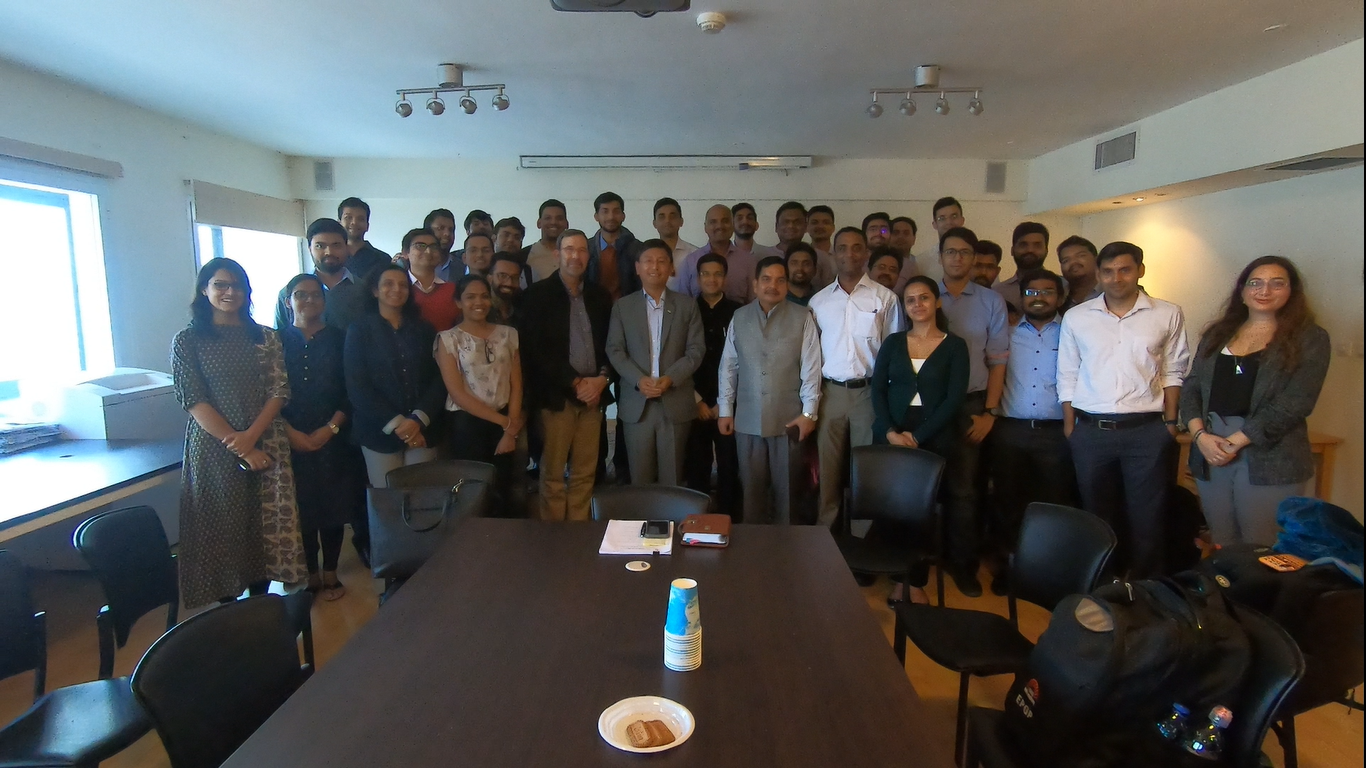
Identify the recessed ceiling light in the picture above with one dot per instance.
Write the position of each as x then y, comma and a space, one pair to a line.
1139, 199
1160, 194
1274, 28
1116, 202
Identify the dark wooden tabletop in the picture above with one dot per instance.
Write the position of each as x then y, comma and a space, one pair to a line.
505, 648
49, 478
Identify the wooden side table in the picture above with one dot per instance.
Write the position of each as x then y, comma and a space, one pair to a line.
1324, 447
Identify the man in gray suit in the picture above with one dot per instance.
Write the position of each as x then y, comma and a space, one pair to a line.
655, 343
769, 389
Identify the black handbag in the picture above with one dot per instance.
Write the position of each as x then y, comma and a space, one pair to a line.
407, 525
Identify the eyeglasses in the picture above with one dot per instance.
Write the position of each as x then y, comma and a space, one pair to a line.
959, 253
1275, 284
421, 247
225, 285
307, 296
877, 230
1041, 291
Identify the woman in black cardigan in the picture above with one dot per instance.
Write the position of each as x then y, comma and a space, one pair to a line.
919, 381
392, 378
1255, 378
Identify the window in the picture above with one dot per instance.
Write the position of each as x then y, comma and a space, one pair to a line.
54, 304
271, 261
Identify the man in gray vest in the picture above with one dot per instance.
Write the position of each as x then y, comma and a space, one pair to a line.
769, 388
655, 343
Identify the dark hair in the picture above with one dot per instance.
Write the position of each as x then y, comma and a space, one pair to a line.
1029, 228
962, 233
477, 215
511, 221
465, 282
734, 209
653, 244
875, 216
714, 258
790, 205
881, 252
945, 202
769, 261
800, 247
1030, 275
941, 321
1119, 248
825, 209
663, 201
353, 202
303, 278
1078, 240
201, 311
568, 233
473, 235
439, 213
605, 198
846, 230
551, 203
371, 301
914, 229
413, 234
989, 248
1291, 320
508, 257
324, 227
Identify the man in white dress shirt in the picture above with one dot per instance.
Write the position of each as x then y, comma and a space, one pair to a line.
854, 315
1121, 359
668, 221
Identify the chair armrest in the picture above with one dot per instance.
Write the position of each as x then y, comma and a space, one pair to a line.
40, 668
104, 627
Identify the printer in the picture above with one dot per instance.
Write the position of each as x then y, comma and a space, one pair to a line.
127, 404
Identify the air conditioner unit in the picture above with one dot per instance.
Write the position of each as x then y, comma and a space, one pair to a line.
669, 162
642, 7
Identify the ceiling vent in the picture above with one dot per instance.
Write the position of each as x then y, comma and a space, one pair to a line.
1316, 164
640, 7
322, 176
1120, 149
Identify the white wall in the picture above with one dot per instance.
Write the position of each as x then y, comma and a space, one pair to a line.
1311, 106
401, 192
1195, 248
149, 251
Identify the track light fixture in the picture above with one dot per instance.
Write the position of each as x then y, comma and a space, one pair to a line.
927, 81
452, 81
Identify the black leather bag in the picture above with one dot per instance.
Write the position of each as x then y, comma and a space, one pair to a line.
407, 525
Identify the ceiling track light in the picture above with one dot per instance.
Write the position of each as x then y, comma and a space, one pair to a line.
927, 82
452, 82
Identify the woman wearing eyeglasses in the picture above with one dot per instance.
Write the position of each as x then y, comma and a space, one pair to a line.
481, 366
435, 298
1255, 379
326, 467
239, 527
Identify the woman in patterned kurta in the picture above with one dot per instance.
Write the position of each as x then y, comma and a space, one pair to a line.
239, 527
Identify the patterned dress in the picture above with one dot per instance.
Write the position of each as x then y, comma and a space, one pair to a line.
237, 527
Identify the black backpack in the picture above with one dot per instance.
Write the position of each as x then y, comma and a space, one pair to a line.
1112, 663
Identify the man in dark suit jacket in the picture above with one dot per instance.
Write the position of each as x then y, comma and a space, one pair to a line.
655, 343
563, 346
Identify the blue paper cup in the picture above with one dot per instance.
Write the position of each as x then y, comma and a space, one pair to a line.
684, 616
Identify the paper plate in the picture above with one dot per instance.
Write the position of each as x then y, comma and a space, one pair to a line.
613, 721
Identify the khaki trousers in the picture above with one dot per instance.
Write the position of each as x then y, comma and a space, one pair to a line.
846, 421
571, 437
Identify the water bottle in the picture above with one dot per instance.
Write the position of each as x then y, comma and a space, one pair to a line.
1174, 724
1208, 739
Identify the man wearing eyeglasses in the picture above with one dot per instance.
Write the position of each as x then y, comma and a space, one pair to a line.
1030, 458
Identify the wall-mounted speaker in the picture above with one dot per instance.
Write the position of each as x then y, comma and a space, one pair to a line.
322, 176
996, 178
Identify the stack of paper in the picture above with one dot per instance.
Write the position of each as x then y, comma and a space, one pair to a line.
19, 436
623, 538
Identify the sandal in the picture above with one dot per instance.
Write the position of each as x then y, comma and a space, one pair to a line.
315, 584
333, 589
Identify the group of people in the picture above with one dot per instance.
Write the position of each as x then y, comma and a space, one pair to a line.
758, 366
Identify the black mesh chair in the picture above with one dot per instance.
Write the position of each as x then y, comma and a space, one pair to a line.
78, 725
1061, 551
210, 682
1331, 641
1275, 667
649, 502
127, 551
431, 474
899, 487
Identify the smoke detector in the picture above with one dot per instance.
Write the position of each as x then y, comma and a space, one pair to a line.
711, 22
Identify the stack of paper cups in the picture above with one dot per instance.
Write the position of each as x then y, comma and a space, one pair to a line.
683, 628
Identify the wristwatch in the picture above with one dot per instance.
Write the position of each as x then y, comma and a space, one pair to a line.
994, 412
806, 415
332, 426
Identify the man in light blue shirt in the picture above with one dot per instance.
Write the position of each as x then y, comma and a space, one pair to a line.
1030, 457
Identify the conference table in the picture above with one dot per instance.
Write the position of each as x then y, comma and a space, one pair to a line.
507, 645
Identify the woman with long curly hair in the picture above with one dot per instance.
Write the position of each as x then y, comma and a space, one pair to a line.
1255, 379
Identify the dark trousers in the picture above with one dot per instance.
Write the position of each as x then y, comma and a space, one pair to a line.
331, 541
704, 440
474, 439
962, 490
619, 462
1029, 461
1125, 476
